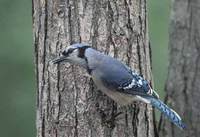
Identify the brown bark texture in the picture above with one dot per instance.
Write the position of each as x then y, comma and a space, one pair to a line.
183, 84
68, 104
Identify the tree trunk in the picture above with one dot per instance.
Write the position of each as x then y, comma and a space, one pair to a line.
183, 84
68, 104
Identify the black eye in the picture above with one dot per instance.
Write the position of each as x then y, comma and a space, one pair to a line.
64, 53
70, 51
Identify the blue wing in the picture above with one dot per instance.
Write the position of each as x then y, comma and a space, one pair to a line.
121, 78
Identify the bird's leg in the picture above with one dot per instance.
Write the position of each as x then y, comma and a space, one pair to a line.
110, 116
111, 119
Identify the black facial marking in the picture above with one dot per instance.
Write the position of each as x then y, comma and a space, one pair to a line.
66, 53
81, 53
88, 68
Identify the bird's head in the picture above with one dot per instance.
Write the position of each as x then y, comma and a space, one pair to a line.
74, 54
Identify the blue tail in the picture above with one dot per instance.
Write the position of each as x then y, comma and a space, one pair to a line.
169, 113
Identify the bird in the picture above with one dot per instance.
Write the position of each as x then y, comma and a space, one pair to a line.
115, 79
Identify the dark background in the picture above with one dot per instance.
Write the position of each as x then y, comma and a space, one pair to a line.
17, 79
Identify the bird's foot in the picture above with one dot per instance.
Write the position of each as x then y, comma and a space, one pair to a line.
110, 120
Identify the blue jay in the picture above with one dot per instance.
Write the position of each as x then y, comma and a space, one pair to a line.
115, 79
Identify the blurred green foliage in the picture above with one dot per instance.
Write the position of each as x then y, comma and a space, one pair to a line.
159, 12
17, 81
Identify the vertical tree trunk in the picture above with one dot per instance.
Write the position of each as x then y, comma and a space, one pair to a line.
183, 84
68, 104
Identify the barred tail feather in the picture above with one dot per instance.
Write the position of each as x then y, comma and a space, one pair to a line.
168, 112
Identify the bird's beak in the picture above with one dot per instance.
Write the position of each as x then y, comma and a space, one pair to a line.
58, 59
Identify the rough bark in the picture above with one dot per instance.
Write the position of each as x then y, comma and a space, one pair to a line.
67, 102
183, 84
